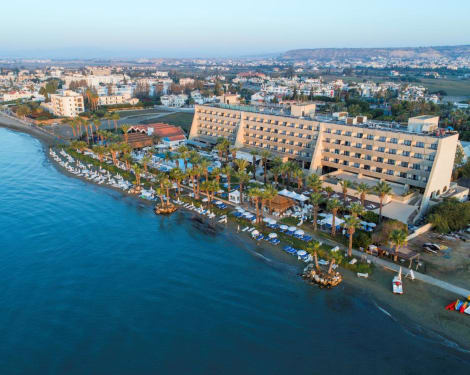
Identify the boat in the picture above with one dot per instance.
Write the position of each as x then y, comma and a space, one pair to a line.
397, 284
363, 275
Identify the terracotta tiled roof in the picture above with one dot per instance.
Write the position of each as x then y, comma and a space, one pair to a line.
162, 130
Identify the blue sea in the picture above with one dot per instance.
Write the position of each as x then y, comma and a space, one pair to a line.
92, 282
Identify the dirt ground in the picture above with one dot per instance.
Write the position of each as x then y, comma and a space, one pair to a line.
451, 264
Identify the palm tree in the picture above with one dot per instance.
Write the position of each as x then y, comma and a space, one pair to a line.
115, 117
216, 173
233, 151
254, 153
100, 151
166, 184
351, 223
398, 238
192, 174
137, 172
79, 145
363, 189
243, 179
333, 206
270, 192
125, 129
277, 171
97, 123
108, 116
145, 161
160, 192
314, 182
241, 165
228, 171
265, 155
127, 157
205, 186
204, 164
177, 176
329, 190
84, 123
316, 199
199, 171
184, 154
382, 189
299, 175
356, 209
255, 194
114, 148
345, 185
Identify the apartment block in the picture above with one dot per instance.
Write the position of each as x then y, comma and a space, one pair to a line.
416, 156
67, 103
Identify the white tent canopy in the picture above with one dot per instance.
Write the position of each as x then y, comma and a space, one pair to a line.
293, 195
234, 196
328, 220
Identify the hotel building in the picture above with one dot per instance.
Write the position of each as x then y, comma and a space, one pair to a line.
418, 156
67, 104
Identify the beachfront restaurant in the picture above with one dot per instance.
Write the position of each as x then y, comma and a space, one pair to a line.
281, 204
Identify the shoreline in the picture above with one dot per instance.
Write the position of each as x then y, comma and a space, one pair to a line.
435, 324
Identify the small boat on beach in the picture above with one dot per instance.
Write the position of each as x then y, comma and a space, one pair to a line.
397, 284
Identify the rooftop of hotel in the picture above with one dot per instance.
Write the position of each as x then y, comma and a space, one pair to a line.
278, 110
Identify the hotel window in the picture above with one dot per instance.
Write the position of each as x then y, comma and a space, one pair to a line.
407, 142
403, 175
369, 147
417, 167
337, 161
328, 130
433, 146
381, 149
378, 170
337, 142
392, 151
368, 157
370, 137
428, 168
390, 172
406, 153
394, 140
358, 145
391, 162
338, 132
348, 134
420, 144
326, 158
367, 167
431, 157
357, 155
356, 165
418, 155
336, 151
380, 159
346, 153
359, 135
404, 164
382, 139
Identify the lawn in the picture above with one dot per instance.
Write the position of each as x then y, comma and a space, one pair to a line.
450, 86
182, 119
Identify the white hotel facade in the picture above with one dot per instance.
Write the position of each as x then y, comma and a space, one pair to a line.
418, 156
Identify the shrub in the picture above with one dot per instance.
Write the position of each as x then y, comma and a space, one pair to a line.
361, 239
382, 234
450, 215
370, 217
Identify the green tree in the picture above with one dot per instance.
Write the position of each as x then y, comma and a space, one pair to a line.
333, 206
382, 189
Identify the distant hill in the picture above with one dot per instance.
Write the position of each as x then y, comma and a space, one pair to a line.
365, 53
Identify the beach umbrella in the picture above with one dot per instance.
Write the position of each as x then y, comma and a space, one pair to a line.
300, 232
322, 214
272, 235
266, 219
205, 200
255, 233
371, 225
283, 227
292, 229
301, 253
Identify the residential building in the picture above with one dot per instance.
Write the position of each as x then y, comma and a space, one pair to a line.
67, 103
419, 155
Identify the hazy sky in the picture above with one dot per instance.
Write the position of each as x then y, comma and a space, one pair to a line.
152, 28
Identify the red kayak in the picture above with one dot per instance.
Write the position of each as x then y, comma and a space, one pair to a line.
463, 307
451, 306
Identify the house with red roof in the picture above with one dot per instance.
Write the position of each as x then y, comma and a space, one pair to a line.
171, 135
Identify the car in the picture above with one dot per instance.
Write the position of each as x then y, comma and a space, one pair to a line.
432, 246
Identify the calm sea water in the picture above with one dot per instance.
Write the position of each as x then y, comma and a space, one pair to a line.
92, 282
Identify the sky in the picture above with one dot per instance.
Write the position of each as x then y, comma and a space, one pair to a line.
207, 28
